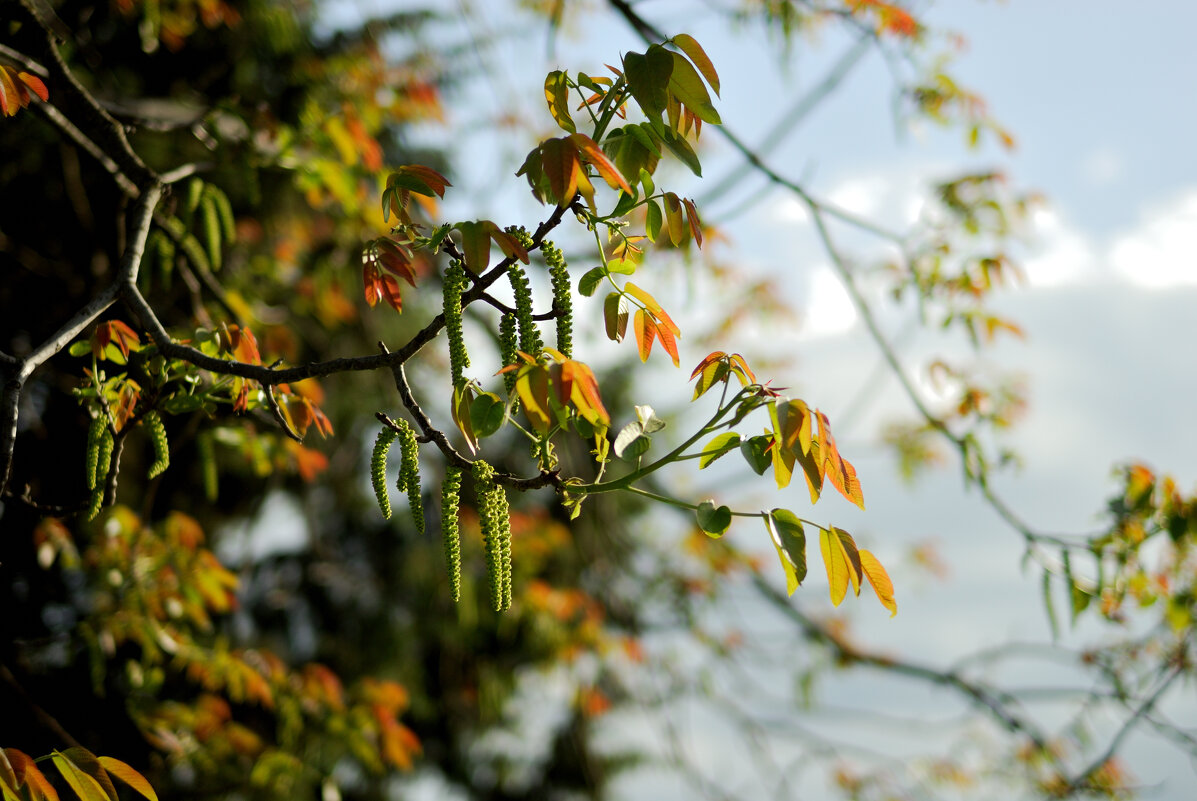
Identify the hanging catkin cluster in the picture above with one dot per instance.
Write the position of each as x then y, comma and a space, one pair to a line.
100, 445
495, 521
378, 469
153, 422
529, 335
455, 281
508, 345
450, 502
562, 297
409, 472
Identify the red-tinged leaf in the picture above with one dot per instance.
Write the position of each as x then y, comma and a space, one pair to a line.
592, 153
371, 284
27, 774
8, 777
879, 581
429, 180
34, 83
86, 761
559, 158
561, 375
686, 85
713, 356
85, 787
9, 103
836, 468
587, 385
692, 218
711, 374
391, 292
668, 343
645, 331
507, 243
686, 43
615, 316
740, 367
394, 258
674, 218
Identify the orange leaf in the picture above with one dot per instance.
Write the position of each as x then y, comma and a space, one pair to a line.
34, 83
645, 330
560, 160
879, 580
591, 152
711, 357
692, 217
668, 343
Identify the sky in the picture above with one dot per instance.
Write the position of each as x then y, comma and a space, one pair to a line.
1099, 96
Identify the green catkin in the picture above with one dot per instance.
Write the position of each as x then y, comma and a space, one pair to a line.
211, 222
378, 469
224, 211
508, 345
209, 475
529, 334
495, 522
153, 422
95, 433
103, 465
195, 189
409, 472
450, 502
454, 282
562, 297
530, 341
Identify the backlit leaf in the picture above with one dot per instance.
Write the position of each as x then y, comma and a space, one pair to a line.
674, 218
645, 331
593, 154
842, 561
686, 43
687, 86
556, 94
790, 540
129, 776
879, 581
718, 446
533, 388
669, 343
86, 761
692, 218
85, 787
652, 226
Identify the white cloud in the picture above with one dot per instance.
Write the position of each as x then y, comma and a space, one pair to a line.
827, 309
1161, 252
1060, 254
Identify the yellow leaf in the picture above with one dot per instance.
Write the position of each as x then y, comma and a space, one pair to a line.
842, 561
879, 580
85, 787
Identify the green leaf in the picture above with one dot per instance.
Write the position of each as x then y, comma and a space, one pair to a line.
487, 413
475, 245
648, 78
718, 446
790, 540
622, 266
1052, 620
589, 282
756, 452
712, 519
652, 226
681, 148
687, 86
80, 348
